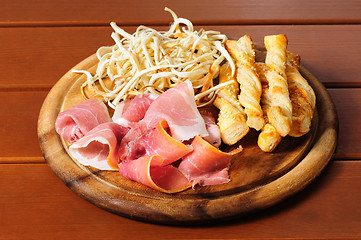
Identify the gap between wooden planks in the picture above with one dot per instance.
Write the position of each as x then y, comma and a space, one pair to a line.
328, 51
22, 145
55, 51
212, 12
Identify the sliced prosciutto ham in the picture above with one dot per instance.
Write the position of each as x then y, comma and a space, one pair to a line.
132, 111
214, 134
132, 145
177, 106
206, 165
159, 142
99, 148
149, 170
74, 123
140, 141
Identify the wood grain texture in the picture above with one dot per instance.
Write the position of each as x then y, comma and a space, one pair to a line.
56, 50
21, 12
258, 179
347, 101
348, 105
36, 205
18, 139
329, 52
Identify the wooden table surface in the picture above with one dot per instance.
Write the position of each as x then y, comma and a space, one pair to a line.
42, 40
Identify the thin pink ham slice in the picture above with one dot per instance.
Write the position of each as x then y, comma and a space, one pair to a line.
99, 148
214, 134
74, 123
206, 165
132, 111
159, 142
140, 142
177, 106
132, 146
149, 171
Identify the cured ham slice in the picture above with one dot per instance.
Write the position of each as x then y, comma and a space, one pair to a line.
159, 142
74, 123
99, 148
132, 146
177, 106
146, 139
140, 142
151, 172
214, 134
132, 111
206, 165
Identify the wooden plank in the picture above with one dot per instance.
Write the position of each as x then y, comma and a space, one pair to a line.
347, 101
36, 205
348, 106
100, 12
47, 53
18, 134
329, 52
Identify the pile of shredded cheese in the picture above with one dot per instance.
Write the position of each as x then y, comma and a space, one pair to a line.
154, 61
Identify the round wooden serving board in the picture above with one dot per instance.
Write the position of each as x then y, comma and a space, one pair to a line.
258, 179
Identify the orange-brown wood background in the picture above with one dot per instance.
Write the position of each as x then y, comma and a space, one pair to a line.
41, 40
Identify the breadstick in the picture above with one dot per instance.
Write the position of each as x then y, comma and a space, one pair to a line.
231, 119
243, 53
280, 112
269, 137
231, 91
302, 97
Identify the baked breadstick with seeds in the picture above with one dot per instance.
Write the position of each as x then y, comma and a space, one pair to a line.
231, 91
269, 137
243, 53
280, 112
231, 118
302, 97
